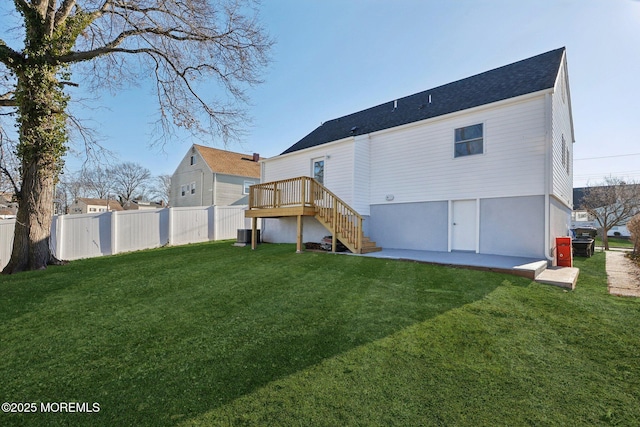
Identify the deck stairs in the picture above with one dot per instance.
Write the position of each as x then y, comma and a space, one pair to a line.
345, 235
304, 196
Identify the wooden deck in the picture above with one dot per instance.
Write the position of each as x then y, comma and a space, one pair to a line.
304, 196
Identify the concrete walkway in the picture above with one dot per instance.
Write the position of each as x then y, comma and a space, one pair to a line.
623, 276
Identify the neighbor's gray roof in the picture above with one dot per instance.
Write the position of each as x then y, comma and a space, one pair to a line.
520, 78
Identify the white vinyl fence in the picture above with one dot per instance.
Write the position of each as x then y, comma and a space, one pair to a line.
108, 233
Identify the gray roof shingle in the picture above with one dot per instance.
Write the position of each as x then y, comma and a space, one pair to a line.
520, 78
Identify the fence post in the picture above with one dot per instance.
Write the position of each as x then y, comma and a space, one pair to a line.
114, 232
213, 225
59, 237
170, 226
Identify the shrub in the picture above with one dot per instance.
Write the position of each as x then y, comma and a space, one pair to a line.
634, 227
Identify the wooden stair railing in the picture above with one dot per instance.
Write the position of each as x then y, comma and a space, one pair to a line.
344, 223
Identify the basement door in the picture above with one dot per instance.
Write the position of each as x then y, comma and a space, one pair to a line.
463, 225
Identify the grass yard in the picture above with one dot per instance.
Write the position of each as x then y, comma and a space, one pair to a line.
212, 334
616, 242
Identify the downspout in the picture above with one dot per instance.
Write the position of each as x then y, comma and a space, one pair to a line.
548, 177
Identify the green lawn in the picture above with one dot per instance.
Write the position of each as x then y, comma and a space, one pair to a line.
616, 242
212, 334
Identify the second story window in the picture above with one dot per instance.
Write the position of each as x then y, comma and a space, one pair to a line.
318, 170
469, 140
193, 160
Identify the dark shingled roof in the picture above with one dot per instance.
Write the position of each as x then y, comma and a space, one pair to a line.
520, 78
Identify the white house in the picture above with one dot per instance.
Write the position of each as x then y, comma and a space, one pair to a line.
84, 205
208, 176
482, 164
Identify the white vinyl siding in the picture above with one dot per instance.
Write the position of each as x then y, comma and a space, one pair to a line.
338, 167
562, 162
361, 175
416, 163
185, 175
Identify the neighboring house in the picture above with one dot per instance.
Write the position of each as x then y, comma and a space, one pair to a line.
87, 205
142, 205
483, 164
8, 208
582, 218
207, 176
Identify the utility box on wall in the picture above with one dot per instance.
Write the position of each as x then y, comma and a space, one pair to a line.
563, 252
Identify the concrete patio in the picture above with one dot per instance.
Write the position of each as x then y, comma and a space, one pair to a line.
532, 268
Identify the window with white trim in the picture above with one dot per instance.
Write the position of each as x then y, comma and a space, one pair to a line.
183, 190
193, 188
318, 170
245, 187
469, 140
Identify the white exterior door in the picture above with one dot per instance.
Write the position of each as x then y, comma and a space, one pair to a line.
463, 225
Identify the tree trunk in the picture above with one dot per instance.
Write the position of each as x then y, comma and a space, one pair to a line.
43, 137
605, 239
33, 221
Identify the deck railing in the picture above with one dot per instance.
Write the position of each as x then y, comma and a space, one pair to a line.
340, 218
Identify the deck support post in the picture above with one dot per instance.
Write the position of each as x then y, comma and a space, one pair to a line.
299, 236
334, 238
254, 228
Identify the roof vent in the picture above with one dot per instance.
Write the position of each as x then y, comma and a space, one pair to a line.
354, 129
395, 104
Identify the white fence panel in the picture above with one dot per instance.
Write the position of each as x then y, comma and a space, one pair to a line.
191, 225
106, 233
6, 240
83, 236
228, 219
136, 230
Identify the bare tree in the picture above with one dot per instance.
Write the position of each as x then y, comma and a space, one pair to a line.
161, 191
130, 181
100, 182
180, 44
612, 203
9, 174
70, 187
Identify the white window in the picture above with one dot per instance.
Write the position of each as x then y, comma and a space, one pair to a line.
193, 160
582, 216
469, 140
92, 209
183, 190
245, 188
193, 188
317, 169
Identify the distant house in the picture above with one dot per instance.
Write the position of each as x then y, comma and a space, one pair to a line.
483, 164
133, 205
87, 205
582, 218
208, 176
8, 208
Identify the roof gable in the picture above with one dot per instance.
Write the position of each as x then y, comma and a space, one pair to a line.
520, 78
228, 162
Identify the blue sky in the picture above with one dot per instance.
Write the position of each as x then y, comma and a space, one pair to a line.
336, 57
